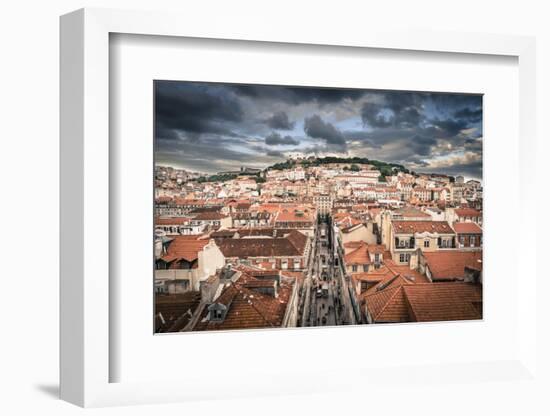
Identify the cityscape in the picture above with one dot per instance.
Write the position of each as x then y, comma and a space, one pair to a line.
289, 207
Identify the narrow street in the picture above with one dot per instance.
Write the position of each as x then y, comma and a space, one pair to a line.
325, 297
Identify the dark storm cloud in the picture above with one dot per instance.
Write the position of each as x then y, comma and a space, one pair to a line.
194, 108
376, 115
207, 155
422, 145
449, 127
275, 153
473, 145
468, 114
316, 128
471, 169
373, 115
415, 139
297, 95
444, 102
275, 139
280, 121
398, 109
417, 162
409, 110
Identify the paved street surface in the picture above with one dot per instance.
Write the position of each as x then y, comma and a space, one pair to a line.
325, 297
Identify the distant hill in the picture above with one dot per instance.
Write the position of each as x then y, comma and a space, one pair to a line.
385, 168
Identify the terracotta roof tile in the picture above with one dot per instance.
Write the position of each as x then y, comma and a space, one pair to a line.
450, 264
361, 253
292, 245
444, 301
248, 308
184, 247
388, 305
404, 301
209, 216
173, 310
358, 256
410, 227
172, 220
467, 212
411, 212
467, 228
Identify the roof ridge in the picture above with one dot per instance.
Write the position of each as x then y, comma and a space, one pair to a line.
387, 288
397, 289
251, 302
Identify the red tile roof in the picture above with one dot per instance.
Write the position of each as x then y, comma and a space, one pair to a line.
387, 305
403, 301
292, 245
293, 215
209, 216
353, 244
361, 254
171, 310
386, 273
411, 212
411, 227
450, 264
163, 199
450, 301
171, 220
243, 206
248, 308
467, 228
184, 247
467, 212
358, 256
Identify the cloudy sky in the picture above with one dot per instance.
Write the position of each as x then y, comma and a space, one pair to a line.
209, 127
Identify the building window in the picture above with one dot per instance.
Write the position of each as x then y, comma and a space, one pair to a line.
426, 243
365, 267
354, 268
472, 241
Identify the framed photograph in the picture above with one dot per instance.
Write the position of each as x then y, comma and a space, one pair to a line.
269, 205
290, 225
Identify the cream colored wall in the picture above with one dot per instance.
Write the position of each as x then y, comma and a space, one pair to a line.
210, 259
360, 234
386, 229
419, 243
225, 222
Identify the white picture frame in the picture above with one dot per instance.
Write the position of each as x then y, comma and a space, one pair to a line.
85, 211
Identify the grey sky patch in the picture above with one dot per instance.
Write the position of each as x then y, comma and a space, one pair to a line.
280, 121
275, 139
316, 128
469, 114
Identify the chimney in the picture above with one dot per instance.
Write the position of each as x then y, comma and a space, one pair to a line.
217, 312
413, 263
209, 286
471, 275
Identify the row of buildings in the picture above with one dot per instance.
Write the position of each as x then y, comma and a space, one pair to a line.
235, 254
